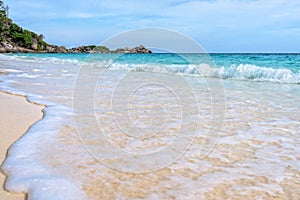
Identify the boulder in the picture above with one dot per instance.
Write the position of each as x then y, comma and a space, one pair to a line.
61, 49
34, 45
139, 49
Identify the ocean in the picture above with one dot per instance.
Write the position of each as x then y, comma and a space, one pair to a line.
156, 126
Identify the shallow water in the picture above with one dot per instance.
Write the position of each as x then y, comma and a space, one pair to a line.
153, 127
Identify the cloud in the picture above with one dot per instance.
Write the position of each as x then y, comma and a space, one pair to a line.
220, 25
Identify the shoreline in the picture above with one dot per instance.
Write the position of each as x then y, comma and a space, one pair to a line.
17, 115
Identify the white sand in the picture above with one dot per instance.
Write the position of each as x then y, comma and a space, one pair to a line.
16, 116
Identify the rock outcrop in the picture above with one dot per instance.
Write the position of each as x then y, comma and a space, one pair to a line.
103, 49
55, 49
6, 47
10, 47
15, 39
89, 49
139, 49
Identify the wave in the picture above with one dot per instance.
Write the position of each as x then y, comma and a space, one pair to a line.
237, 72
257, 73
27, 168
37, 59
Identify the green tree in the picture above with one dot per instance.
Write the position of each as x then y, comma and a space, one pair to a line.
3, 9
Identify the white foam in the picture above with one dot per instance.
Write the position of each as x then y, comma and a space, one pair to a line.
29, 172
33, 59
27, 75
257, 73
240, 72
12, 70
24, 165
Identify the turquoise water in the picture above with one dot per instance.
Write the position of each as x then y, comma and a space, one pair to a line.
287, 61
237, 114
276, 61
281, 68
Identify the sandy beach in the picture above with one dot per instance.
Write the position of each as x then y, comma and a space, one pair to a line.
16, 116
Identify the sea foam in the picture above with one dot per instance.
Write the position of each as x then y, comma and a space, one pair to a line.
47, 164
237, 72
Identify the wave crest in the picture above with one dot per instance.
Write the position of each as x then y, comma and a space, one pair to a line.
257, 73
237, 72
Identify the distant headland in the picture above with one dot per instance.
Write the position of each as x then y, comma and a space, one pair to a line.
15, 39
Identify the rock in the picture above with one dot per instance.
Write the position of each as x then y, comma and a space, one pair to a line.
139, 49
8, 46
142, 49
25, 50
34, 45
50, 49
61, 49
73, 50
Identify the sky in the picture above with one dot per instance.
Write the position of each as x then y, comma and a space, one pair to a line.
216, 25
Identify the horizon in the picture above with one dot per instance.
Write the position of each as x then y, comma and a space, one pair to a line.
219, 26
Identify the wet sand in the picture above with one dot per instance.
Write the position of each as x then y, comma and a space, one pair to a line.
16, 116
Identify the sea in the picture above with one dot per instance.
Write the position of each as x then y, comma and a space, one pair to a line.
156, 126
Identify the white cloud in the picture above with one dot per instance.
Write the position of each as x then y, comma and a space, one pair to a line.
235, 23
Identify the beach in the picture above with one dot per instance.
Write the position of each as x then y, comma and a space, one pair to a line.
150, 100
16, 116
154, 126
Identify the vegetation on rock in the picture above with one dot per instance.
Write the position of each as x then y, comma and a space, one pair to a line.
14, 38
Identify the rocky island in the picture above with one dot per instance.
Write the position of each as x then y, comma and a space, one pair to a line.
15, 39
103, 49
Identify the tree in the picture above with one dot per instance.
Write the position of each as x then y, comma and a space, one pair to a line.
17, 36
40, 37
3, 9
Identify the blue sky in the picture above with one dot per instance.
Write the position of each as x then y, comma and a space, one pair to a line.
217, 25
